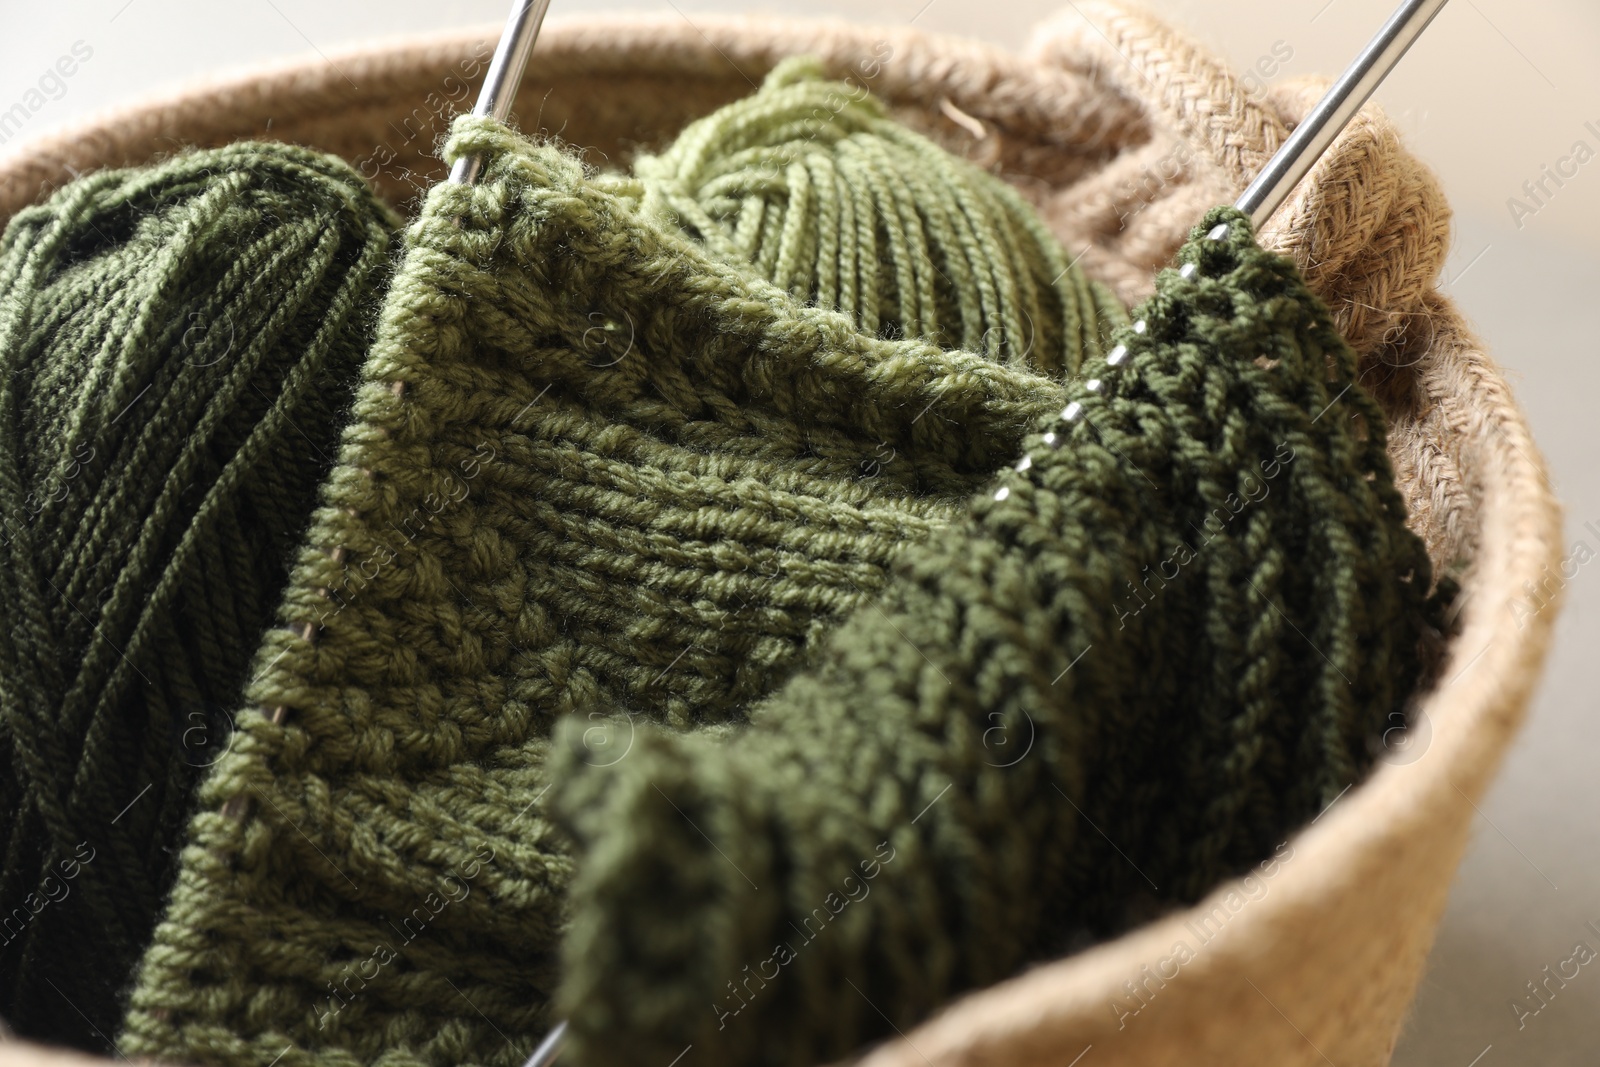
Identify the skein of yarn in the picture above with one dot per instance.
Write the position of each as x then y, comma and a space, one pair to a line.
178, 345
812, 182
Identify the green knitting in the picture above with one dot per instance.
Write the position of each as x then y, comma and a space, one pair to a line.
204, 247
1144, 658
528, 529
518, 531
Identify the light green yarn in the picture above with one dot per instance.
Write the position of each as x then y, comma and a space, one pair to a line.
812, 182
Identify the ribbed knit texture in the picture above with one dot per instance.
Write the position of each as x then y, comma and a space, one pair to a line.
519, 533
522, 527
813, 183
202, 250
177, 347
1141, 660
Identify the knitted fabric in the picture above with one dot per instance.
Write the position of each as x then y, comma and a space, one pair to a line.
177, 345
917, 232
542, 570
810, 181
524, 527
968, 253
1157, 647
1339, 942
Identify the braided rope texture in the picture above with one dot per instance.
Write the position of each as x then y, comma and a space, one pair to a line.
524, 527
1369, 227
167, 336
812, 182
1340, 941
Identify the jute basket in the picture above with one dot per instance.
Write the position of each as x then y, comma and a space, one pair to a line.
1123, 133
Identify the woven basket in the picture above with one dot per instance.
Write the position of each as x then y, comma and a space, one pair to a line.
1123, 133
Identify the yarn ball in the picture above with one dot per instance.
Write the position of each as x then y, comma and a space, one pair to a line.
178, 345
1143, 659
816, 185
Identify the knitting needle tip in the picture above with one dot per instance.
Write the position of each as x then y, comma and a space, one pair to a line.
1334, 111
505, 75
549, 1048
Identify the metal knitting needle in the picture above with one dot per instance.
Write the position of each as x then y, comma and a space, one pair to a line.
549, 1048
500, 86
1335, 110
505, 75
1265, 194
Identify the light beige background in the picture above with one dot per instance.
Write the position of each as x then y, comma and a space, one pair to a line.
1497, 91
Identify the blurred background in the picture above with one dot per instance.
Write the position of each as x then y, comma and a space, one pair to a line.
1499, 96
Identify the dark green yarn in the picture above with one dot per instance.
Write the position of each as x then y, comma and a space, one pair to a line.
675, 532
177, 348
1196, 719
812, 182
978, 263
530, 532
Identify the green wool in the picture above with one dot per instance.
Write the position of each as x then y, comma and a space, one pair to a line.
521, 529
1138, 662
178, 345
782, 678
242, 285
814, 184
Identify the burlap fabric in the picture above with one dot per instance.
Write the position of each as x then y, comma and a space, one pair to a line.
1123, 132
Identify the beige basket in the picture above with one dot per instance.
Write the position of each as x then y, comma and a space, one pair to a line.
1123, 133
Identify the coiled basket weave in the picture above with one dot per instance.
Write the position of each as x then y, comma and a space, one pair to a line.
1123, 133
